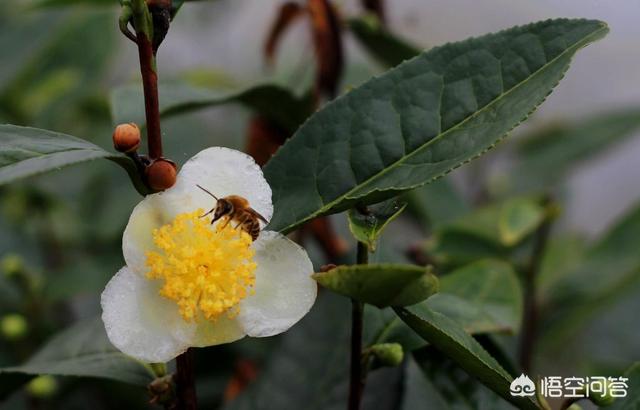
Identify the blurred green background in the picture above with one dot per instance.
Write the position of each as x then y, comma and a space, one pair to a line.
60, 233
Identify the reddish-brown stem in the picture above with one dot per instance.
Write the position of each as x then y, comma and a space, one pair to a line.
151, 99
185, 382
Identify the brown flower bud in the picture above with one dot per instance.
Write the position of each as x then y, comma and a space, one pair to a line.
126, 137
161, 174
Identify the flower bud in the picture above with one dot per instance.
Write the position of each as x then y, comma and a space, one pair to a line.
42, 386
11, 265
13, 326
161, 174
387, 354
126, 137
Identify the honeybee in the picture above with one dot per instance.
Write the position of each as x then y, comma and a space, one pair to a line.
235, 207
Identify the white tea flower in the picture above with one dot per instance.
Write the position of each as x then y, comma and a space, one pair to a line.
190, 283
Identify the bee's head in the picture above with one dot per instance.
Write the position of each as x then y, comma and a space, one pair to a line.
223, 208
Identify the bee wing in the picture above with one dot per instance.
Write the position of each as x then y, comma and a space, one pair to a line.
262, 218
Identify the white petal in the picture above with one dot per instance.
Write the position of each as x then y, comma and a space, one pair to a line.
223, 172
284, 289
140, 322
223, 330
152, 212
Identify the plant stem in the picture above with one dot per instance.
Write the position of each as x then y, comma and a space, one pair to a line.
356, 382
151, 100
185, 382
144, 36
530, 313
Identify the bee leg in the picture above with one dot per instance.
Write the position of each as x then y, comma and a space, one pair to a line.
225, 223
202, 216
241, 221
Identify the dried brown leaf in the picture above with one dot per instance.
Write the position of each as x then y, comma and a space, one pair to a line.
289, 12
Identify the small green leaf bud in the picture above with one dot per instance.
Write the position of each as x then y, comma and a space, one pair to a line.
42, 386
126, 138
387, 354
13, 326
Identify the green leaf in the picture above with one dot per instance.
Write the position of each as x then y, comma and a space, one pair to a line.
490, 231
321, 368
82, 350
544, 157
387, 48
436, 204
420, 120
608, 271
435, 379
368, 228
381, 285
562, 256
451, 339
451, 248
127, 103
28, 151
519, 218
483, 297
632, 401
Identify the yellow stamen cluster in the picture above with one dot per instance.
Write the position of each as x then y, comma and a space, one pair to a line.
206, 270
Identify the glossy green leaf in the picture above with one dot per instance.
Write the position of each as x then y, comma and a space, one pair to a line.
544, 157
127, 103
82, 350
420, 120
28, 151
368, 228
632, 401
451, 339
483, 297
381, 285
386, 47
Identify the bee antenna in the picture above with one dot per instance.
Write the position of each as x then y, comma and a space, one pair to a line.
215, 197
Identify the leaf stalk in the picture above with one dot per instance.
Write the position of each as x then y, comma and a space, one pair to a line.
357, 375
